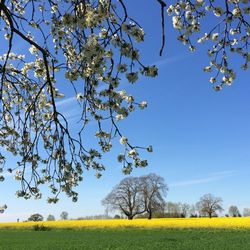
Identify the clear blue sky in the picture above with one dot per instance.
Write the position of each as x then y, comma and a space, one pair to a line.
201, 138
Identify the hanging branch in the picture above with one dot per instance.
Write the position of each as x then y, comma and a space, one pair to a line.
163, 5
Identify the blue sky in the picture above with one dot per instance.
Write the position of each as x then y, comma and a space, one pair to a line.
201, 138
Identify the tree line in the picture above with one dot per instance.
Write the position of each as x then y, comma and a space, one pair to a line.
145, 196
38, 217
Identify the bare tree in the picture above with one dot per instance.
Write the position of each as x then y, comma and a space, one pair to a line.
90, 46
172, 209
233, 211
178, 209
193, 211
154, 190
208, 205
126, 197
185, 209
246, 212
64, 215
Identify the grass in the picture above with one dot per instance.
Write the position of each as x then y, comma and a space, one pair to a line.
125, 238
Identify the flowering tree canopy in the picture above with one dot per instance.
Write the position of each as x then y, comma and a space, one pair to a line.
90, 44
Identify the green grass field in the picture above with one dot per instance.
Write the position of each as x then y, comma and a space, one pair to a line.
131, 239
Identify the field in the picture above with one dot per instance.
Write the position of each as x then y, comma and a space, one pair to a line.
132, 239
216, 233
230, 223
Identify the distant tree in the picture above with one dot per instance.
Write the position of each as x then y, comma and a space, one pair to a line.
51, 217
193, 216
117, 216
95, 217
233, 211
246, 212
184, 209
35, 217
154, 189
172, 209
64, 215
126, 197
177, 209
208, 205
193, 211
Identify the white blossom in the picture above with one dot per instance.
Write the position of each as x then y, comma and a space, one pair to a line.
123, 140
143, 104
218, 11
132, 153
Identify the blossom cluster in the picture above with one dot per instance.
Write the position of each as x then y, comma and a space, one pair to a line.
93, 47
229, 34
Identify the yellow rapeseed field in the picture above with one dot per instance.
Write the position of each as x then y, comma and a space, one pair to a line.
139, 223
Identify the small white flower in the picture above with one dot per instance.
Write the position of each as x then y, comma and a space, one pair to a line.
218, 11
122, 67
119, 117
129, 98
103, 33
33, 49
236, 12
177, 24
60, 95
121, 157
170, 10
7, 36
212, 80
192, 48
234, 42
79, 96
207, 69
234, 31
151, 71
132, 153
98, 175
248, 31
215, 36
143, 104
132, 77
122, 93
54, 8
217, 88
150, 149
123, 140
